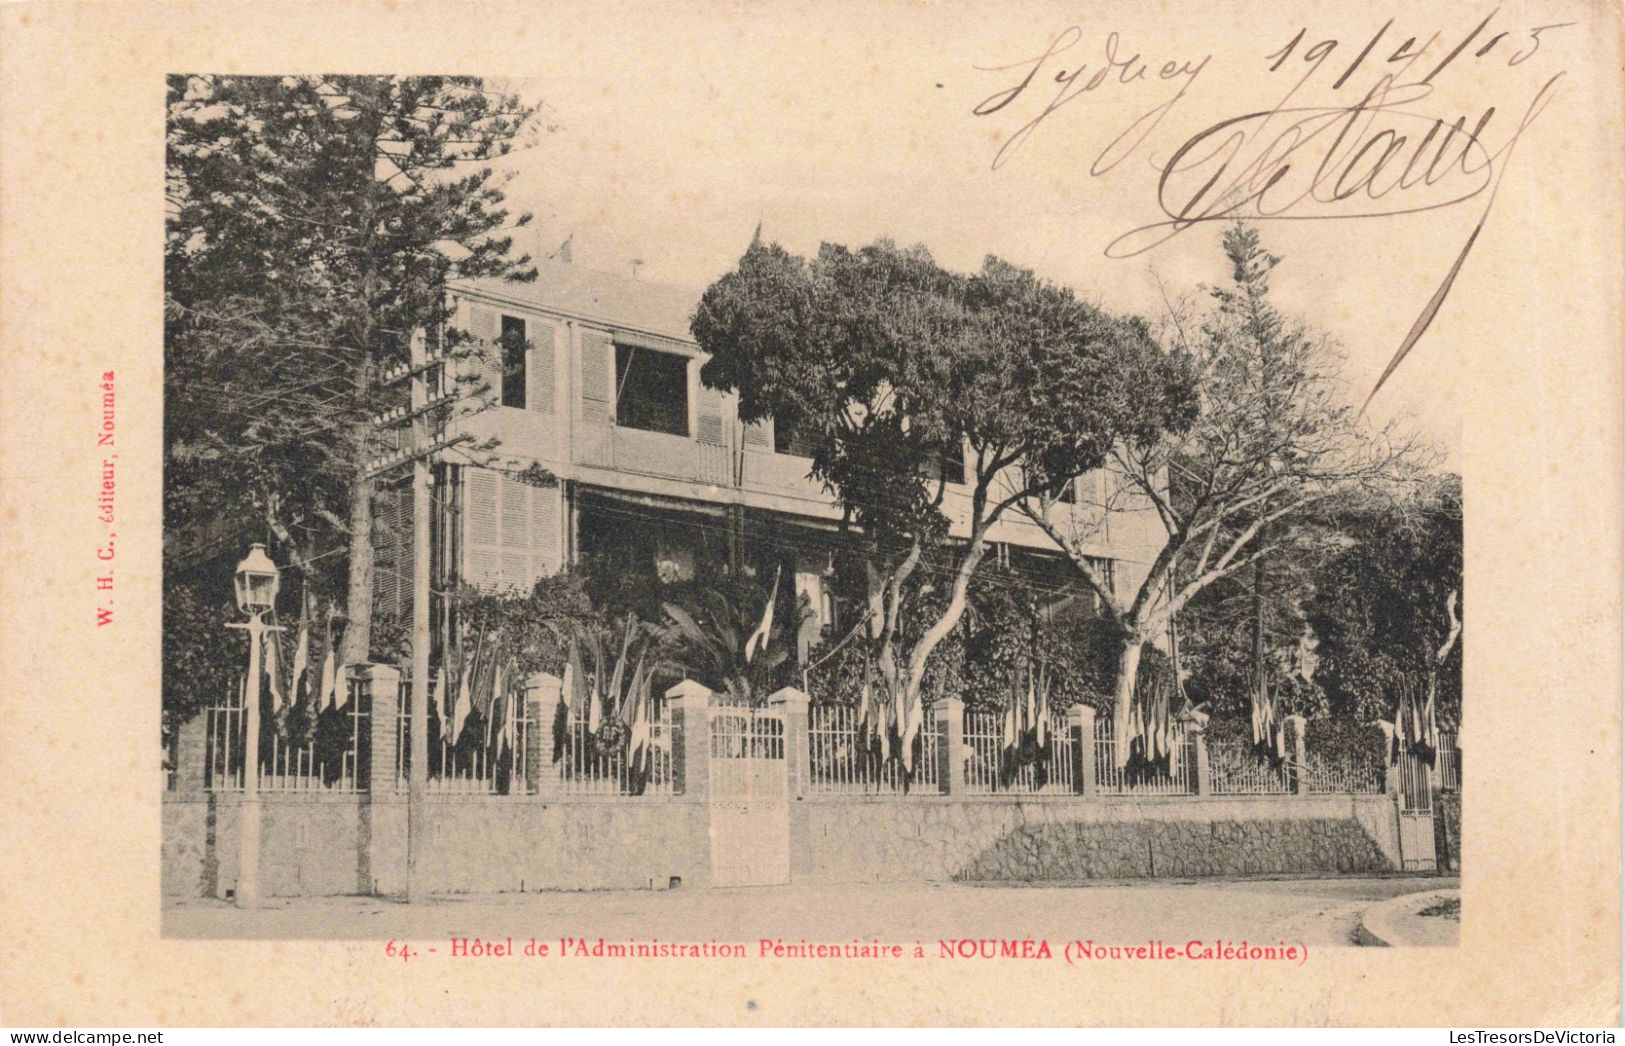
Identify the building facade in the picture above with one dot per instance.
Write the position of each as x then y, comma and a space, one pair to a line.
597, 439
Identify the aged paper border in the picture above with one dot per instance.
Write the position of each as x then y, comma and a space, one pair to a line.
80, 289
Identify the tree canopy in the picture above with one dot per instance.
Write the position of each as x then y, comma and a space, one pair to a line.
890, 368
313, 223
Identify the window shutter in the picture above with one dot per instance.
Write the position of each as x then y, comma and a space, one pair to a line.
759, 434
480, 530
708, 426
595, 378
486, 364
515, 534
544, 532
539, 394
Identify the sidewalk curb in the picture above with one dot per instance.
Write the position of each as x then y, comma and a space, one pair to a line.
1380, 924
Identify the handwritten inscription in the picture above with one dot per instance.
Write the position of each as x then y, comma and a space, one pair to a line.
1351, 137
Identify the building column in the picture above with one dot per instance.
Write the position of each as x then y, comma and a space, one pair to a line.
1080, 728
792, 705
950, 725
1296, 726
544, 692
690, 705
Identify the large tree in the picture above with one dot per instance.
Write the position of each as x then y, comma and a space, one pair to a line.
312, 225
1275, 437
1388, 603
888, 368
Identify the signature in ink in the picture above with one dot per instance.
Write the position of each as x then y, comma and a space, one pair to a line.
1375, 152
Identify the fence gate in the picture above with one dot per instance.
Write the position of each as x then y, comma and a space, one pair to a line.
750, 811
1416, 851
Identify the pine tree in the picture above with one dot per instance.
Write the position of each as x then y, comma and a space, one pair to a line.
313, 223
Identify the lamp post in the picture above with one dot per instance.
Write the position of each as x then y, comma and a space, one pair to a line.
256, 580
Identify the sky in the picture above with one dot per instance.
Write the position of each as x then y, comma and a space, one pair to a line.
671, 140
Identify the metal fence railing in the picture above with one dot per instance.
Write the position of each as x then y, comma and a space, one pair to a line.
584, 766
843, 757
1235, 768
331, 753
1347, 773
1449, 761
992, 767
490, 755
1178, 777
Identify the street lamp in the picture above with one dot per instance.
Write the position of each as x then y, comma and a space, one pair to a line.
256, 580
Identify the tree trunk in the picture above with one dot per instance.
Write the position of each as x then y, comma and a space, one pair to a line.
1128, 673
356, 645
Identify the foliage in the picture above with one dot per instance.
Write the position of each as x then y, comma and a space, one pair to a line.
312, 224
1338, 738
706, 629
1383, 606
201, 665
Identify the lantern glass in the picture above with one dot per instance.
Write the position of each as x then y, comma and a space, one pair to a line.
257, 580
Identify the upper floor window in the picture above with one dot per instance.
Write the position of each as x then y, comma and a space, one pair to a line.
651, 390
513, 362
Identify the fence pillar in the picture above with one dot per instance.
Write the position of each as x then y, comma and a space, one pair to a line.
1295, 726
191, 744
792, 704
380, 687
1201, 778
690, 705
544, 692
383, 821
950, 725
1390, 765
1080, 728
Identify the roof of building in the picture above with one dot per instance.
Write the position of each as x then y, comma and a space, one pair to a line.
608, 298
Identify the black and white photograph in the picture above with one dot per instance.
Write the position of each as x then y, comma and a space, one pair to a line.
896, 491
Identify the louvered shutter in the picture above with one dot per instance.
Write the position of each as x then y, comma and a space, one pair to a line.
708, 420
759, 434
486, 363
539, 391
515, 534
545, 543
481, 557
385, 542
595, 378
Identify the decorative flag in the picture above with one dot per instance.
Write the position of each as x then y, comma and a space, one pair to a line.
272, 675
301, 659
328, 697
437, 696
465, 700
595, 709
1011, 723
572, 674
758, 639
1043, 711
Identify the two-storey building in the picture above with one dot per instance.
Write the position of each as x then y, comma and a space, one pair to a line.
595, 378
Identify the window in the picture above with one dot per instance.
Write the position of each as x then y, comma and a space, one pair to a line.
948, 463
789, 437
513, 362
651, 390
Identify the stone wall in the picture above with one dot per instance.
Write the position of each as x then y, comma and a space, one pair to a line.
882, 839
477, 844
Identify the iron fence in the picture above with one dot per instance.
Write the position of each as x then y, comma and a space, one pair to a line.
331, 754
1235, 768
1176, 777
844, 757
992, 766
